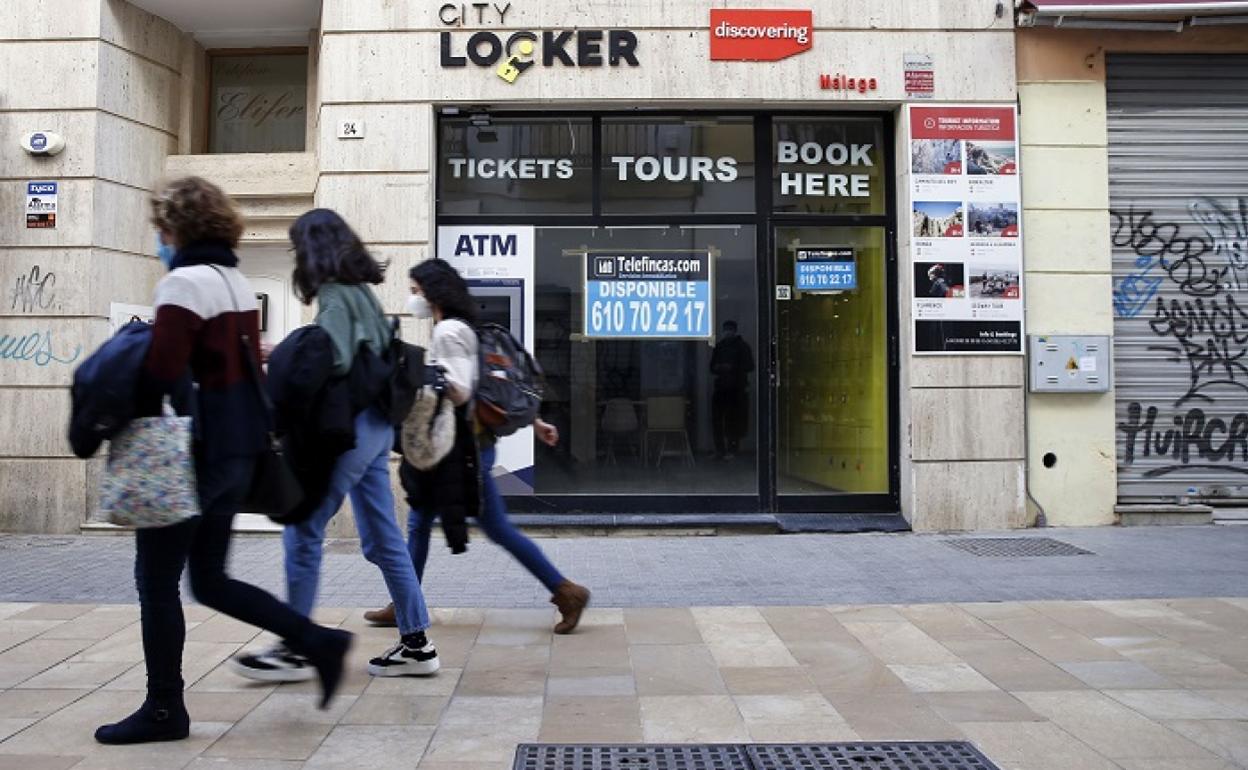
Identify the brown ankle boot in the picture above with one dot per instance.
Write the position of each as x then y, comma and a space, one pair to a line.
382, 617
571, 600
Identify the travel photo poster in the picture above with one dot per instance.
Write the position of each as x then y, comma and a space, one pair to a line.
966, 230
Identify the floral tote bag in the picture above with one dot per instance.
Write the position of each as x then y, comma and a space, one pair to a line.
149, 479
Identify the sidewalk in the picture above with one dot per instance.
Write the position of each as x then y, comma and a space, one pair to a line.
1126, 685
662, 571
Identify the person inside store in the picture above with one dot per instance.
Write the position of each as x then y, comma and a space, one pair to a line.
732, 361
206, 322
461, 484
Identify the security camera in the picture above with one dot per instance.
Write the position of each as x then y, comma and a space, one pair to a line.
44, 143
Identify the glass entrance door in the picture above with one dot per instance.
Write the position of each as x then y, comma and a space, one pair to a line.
831, 385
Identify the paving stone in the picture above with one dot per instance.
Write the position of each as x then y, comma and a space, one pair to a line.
676, 670
485, 729
692, 719
994, 706
396, 710
892, 717
946, 677
591, 720
1116, 675
372, 746
1114, 730
37, 762
1033, 746
1227, 739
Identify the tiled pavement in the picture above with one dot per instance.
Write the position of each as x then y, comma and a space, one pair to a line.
1056, 685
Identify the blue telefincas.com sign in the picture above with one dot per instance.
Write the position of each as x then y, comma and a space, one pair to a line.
651, 295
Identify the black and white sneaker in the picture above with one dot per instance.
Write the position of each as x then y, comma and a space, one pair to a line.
276, 664
414, 655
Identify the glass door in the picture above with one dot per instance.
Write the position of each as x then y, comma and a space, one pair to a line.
831, 385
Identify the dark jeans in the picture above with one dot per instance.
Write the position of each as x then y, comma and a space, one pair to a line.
203, 545
496, 524
730, 413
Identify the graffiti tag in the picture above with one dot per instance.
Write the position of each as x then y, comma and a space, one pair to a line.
36, 348
1209, 440
34, 292
1211, 337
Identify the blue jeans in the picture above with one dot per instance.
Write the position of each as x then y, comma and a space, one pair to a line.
494, 522
364, 473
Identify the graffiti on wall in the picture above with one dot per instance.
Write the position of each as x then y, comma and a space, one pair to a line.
34, 293
37, 348
1193, 283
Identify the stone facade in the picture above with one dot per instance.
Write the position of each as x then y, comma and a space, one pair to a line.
129, 98
104, 75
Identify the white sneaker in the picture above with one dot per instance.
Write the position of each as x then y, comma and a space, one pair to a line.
413, 656
276, 664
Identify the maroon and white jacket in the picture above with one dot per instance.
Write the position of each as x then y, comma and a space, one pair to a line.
202, 307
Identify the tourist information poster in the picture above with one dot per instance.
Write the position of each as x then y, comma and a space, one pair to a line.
966, 236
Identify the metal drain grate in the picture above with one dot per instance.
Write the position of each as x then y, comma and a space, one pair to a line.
639, 757
1016, 546
951, 755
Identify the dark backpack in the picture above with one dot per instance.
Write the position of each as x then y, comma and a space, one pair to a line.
509, 384
408, 374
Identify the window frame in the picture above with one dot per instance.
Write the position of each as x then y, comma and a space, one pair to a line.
217, 53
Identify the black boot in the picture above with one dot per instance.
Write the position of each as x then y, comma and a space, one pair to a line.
327, 651
158, 719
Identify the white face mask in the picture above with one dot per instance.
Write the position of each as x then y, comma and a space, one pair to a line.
418, 307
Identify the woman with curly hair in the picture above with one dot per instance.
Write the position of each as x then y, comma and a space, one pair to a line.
205, 310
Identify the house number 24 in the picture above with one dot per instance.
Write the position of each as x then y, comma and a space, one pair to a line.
351, 129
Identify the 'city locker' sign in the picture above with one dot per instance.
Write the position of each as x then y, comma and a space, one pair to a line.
651, 295
511, 55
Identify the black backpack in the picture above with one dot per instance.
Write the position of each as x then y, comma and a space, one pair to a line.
509, 384
408, 374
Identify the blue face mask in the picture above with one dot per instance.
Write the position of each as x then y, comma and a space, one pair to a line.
165, 252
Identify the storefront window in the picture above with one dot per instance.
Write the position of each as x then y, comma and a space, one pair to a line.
678, 166
648, 407
640, 299
832, 339
828, 165
515, 166
259, 102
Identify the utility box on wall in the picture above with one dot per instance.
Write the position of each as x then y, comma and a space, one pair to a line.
1069, 363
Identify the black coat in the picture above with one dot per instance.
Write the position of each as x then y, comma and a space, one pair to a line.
450, 490
315, 419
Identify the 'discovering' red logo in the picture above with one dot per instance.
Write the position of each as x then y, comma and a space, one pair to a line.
760, 35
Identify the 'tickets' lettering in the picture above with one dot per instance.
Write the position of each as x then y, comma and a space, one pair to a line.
511, 168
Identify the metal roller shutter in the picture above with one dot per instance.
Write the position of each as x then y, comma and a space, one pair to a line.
1178, 189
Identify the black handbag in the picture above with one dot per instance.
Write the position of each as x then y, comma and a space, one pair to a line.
275, 489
